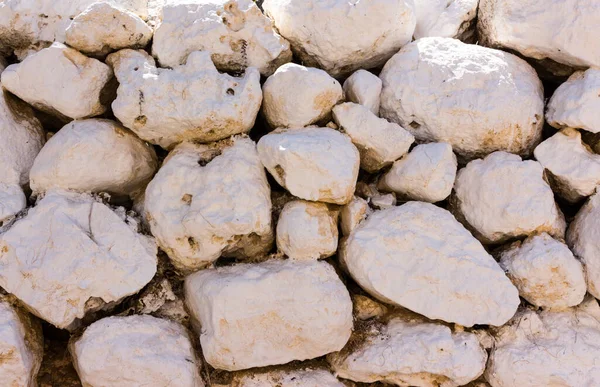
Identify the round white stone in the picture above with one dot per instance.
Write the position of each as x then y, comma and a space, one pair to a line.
364, 88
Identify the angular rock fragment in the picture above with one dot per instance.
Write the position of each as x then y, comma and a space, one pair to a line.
70, 255
210, 200
352, 214
427, 173
255, 315
135, 351
318, 164
364, 88
235, 32
447, 19
366, 308
503, 197
301, 377
379, 141
297, 96
79, 80
477, 99
189, 102
94, 156
411, 256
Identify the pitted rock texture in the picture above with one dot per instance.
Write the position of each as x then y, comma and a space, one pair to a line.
307, 377
447, 19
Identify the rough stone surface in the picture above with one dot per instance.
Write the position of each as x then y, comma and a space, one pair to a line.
366, 33
545, 272
503, 197
477, 99
352, 214
72, 254
136, 351
411, 256
447, 19
364, 88
314, 95
189, 102
379, 141
270, 313
235, 32
94, 156
210, 200
366, 308
303, 377
426, 174
80, 79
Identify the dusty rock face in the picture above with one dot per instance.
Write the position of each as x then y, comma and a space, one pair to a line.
315, 94
366, 33
539, 30
189, 102
235, 32
94, 156
58, 67
301, 161
352, 214
487, 100
136, 351
364, 88
81, 257
287, 378
503, 197
411, 256
209, 200
448, 19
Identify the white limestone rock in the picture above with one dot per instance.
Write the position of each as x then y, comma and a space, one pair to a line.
301, 377
210, 200
426, 174
60, 81
135, 351
545, 272
21, 345
104, 27
412, 256
71, 254
503, 197
561, 30
548, 349
94, 156
446, 19
297, 96
477, 99
366, 33
379, 141
255, 315
352, 214
189, 102
576, 102
235, 32
364, 88
573, 168
318, 164
307, 230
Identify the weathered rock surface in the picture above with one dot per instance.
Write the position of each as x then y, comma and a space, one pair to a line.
304, 162
477, 99
364, 88
545, 272
94, 156
80, 80
136, 351
379, 141
366, 34
210, 200
254, 315
235, 32
314, 95
448, 19
411, 256
366, 308
71, 254
352, 214
189, 102
503, 197
426, 174
302, 377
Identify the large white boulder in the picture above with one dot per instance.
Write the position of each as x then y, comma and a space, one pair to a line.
235, 32
364, 88
94, 155
477, 99
135, 351
447, 19
318, 164
189, 102
503, 197
412, 256
71, 254
61, 81
296, 377
210, 200
255, 315
341, 36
